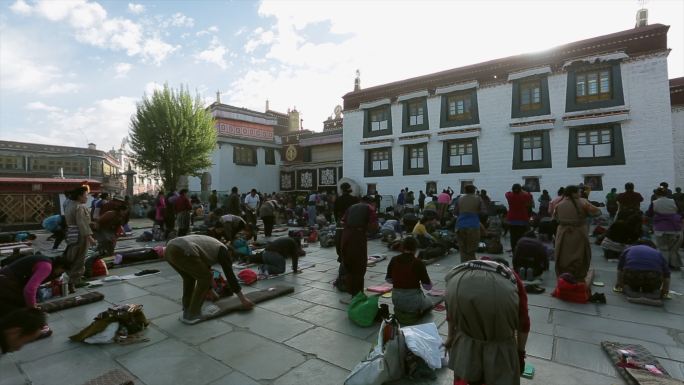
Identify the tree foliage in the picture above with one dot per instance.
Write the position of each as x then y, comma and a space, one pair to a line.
172, 134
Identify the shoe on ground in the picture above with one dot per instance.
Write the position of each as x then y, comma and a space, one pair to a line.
534, 289
190, 320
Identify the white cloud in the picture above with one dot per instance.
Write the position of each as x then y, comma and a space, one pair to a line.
122, 69
155, 50
180, 20
25, 70
208, 31
20, 7
103, 122
214, 54
259, 38
91, 25
136, 8
240, 31
151, 87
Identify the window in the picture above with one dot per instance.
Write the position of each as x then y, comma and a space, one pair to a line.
597, 145
460, 156
244, 155
53, 165
594, 143
270, 156
371, 188
531, 184
415, 159
11, 162
416, 113
430, 188
306, 154
593, 85
379, 162
459, 108
595, 182
530, 95
378, 121
465, 183
532, 150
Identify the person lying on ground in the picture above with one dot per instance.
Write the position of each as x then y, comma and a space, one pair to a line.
20, 327
192, 256
408, 274
643, 272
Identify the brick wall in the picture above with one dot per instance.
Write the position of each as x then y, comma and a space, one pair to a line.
647, 138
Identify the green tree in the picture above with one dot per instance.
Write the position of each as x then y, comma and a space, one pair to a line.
172, 134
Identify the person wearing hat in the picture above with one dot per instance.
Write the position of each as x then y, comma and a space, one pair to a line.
192, 256
79, 234
358, 220
487, 334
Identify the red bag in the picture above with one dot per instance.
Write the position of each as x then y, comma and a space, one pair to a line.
247, 276
99, 268
313, 236
571, 292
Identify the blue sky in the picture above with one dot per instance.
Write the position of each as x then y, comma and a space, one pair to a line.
72, 71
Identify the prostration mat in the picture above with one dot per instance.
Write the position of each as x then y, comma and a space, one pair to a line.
69, 302
231, 304
112, 377
642, 355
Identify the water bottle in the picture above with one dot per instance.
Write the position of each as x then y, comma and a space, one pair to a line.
65, 285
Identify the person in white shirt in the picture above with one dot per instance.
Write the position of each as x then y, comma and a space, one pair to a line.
252, 200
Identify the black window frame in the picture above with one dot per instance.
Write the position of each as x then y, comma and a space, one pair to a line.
238, 148
587, 181
466, 182
516, 109
408, 170
617, 96
526, 185
306, 154
545, 162
617, 156
269, 156
406, 117
368, 163
367, 132
474, 114
448, 169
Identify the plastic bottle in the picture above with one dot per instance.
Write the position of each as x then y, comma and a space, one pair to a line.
65, 284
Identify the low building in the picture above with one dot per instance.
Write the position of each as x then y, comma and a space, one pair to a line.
313, 160
595, 111
677, 102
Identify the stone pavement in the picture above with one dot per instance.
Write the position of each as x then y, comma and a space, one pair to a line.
306, 338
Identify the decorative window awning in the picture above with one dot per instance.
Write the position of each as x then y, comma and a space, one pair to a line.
457, 87
529, 72
465, 132
412, 95
375, 103
597, 58
414, 139
534, 123
606, 115
379, 143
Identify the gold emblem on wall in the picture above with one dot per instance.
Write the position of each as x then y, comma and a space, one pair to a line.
291, 153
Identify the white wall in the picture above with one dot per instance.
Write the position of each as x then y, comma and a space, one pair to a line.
225, 174
678, 139
647, 139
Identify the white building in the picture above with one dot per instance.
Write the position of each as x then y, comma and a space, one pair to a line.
246, 153
595, 111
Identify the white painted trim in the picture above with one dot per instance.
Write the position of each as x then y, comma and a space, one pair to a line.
457, 87
459, 135
596, 120
528, 119
599, 58
412, 95
529, 72
371, 146
532, 127
596, 111
375, 103
408, 142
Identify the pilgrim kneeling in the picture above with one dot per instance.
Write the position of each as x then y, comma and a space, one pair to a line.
643, 274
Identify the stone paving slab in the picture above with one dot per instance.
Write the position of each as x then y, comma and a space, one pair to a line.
336, 320
252, 355
268, 324
120, 291
330, 346
155, 306
191, 334
539, 345
90, 361
172, 362
313, 372
235, 378
584, 355
286, 305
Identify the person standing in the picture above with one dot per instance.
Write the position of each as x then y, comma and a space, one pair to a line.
487, 334
556, 200
232, 205
252, 202
267, 213
93, 204
629, 202
612, 203
421, 201
667, 227
573, 252
518, 217
170, 215
311, 208
678, 197
401, 200
79, 234
160, 211
342, 203
443, 201
544, 201
469, 207
192, 256
183, 208
358, 220
213, 200
104, 199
